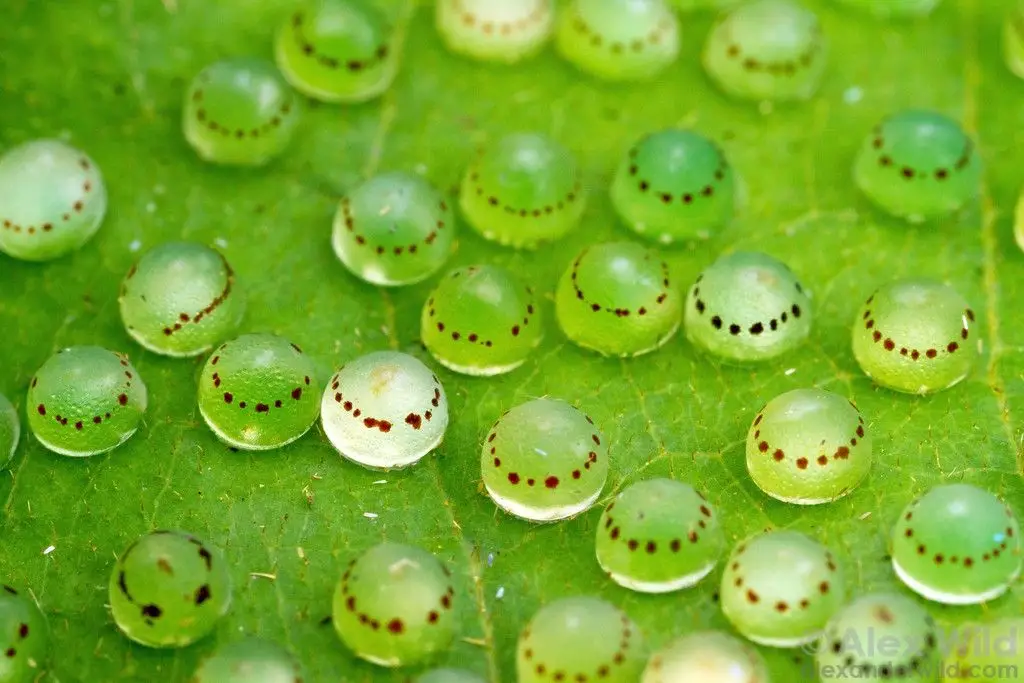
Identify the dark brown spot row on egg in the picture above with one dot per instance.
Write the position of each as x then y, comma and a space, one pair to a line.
196, 318
667, 197
354, 65
616, 311
275, 121
638, 44
474, 338
79, 425
535, 212
77, 207
780, 67
909, 173
889, 344
361, 239
755, 329
603, 670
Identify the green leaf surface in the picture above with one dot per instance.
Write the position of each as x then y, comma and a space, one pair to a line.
109, 75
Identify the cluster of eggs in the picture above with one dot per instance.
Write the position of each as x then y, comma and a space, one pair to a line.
544, 460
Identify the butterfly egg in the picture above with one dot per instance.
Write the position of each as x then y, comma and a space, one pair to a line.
843, 650
522, 191
808, 446
767, 50
617, 298
259, 392
393, 229
180, 299
957, 544
252, 660
449, 676
169, 589
384, 410
544, 460
894, 8
480, 321
658, 536
1013, 39
747, 306
780, 587
914, 336
337, 51
85, 400
986, 651
495, 30
10, 431
918, 165
618, 40
52, 200
579, 639
240, 112
393, 605
706, 657
674, 185
24, 637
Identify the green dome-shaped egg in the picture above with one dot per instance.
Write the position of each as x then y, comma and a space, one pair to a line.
808, 446
990, 652
893, 8
914, 336
918, 165
674, 185
957, 544
580, 638
1013, 39
767, 50
10, 430
706, 657
495, 30
780, 587
24, 637
544, 460
877, 638
253, 660
180, 299
337, 51
393, 605
481, 321
618, 40
385, 409
393, 229
658, 536
449, 676
240, 112
52, 200
747, 306
522, 191
617, 298
169, 589
259, 392
85, 400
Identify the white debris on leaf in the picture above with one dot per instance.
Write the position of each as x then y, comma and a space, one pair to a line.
370, 515
135, 245
853, 94
221, 242
500, 593
49, 549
